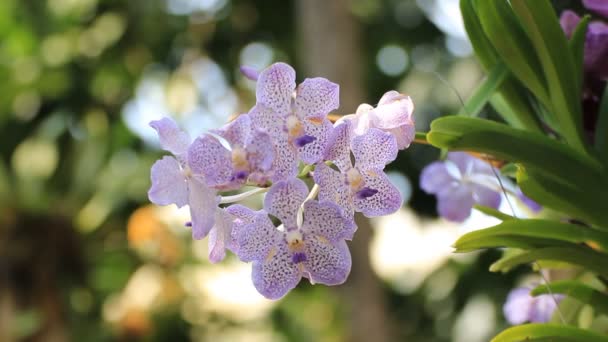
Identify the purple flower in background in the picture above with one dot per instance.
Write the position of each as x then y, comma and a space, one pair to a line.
173, 181
249, 72
459, 182
363, 187
393, 115
530, 203
249, 158
599, 6
313, 247
521, 307
295, 118
596, 41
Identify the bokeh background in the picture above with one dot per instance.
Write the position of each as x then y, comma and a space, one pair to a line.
85, 257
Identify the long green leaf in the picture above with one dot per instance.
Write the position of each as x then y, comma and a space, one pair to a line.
510, 103
548, 332
485, 91
533, 150
578, 290
534, 228
601, 131
591, 260
577, 47
549, 42
569, 199
515, 49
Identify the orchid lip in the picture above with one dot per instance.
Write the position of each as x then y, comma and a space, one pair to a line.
366, 193
304, 140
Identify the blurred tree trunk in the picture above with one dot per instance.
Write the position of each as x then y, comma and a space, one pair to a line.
330, 47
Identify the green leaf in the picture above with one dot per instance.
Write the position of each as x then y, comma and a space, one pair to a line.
542, 26
493, 212
577, 47
533, 150
591, 260
485, 91
578, 290
601, 131
548, 332
510, 103
513, 46
533, 229
566, 198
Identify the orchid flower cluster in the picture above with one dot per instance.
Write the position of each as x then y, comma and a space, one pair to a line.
316, 175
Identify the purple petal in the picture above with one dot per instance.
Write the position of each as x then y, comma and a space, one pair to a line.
168, 183
319, 129
596, 49
316, 97
208, 157
436, 177
543, 308
455, 203
220, 237
486, 196
386, 201
518, 306
404, 134
327, 220
260, 153
326, 263
374, 149
333, 188
530, 203
275, 87
568, 20
285, 164
463, 161
241, 214
284, 199
266, 119
237, 132
338, 146
203, 202
171, 137
249, 72
255, 239
365, 193
276, 275
599, 6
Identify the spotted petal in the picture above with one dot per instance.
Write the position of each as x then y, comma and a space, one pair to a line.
275, 87
327, 220
394, 110
338, 146
316, 97
171, 137
260, 153
208, 157
386, 200
267, 119
203, 203
284, 199
237, 132
333, 188
285, 163
257, 238
276, 275
326, 263
319, 128
220, 236
374, 149
168, 183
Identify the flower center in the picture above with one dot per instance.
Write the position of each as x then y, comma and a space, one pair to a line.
239, 158
294, 126
295, 240
354, 179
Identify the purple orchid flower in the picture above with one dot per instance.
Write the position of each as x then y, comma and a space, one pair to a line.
174, 182
459, 182
248, 159
363, 187
249, 72
596, 40
296, 118
521, 307
315, 248
393, 115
